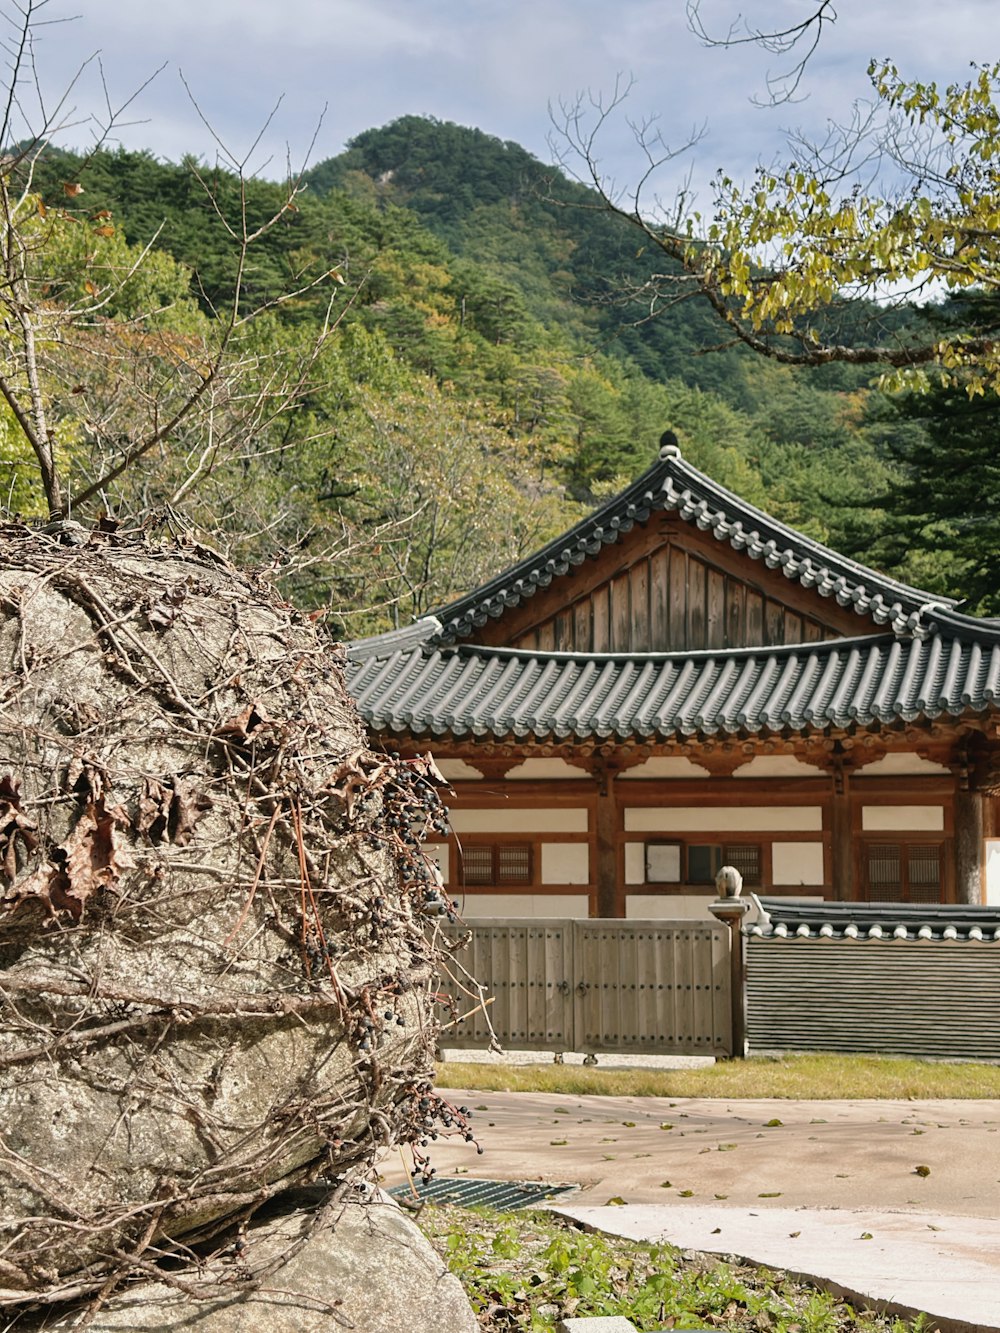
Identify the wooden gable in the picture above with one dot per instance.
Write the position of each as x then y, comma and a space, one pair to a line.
666, 586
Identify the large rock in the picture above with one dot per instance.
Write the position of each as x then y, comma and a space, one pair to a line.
213, 971
368, 1268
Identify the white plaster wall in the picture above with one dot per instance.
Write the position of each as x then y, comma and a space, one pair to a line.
665, 766
898, 765
515, 905
440, 854
663, 863
993, 871
546, 768
635, 863
902, 818
514, 819
669, 906
717, 819
565, 862
796, 863
457, 770
778, 766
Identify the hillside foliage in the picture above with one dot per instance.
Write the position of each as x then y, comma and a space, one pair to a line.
489, 375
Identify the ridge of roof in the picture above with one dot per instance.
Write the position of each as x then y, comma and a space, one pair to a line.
395, 640
674, 484
385, 645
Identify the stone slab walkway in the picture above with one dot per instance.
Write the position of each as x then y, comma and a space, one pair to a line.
741, 1177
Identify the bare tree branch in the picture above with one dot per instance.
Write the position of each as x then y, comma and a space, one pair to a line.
801, 38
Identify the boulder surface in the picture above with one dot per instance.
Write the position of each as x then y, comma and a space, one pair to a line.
214, 973
365, 1266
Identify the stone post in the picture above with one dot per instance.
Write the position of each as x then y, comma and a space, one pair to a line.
731, 911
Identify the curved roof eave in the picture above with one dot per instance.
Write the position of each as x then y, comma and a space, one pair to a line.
877, 680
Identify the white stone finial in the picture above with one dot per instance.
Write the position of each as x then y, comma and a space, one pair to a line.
729, 882
669, 447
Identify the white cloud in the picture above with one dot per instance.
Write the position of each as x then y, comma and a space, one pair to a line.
492, 63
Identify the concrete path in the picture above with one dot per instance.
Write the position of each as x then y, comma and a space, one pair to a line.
895, 1203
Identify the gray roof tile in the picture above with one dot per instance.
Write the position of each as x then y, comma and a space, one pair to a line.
470, 690
787, 919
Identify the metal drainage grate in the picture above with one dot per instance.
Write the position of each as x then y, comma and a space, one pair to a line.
504, 1195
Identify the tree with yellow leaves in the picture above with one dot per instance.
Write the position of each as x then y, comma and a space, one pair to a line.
805, 262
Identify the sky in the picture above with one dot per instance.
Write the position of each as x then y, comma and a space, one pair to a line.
503, 66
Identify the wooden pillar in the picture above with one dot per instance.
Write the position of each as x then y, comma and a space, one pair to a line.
968, 846
610, 902
842, 838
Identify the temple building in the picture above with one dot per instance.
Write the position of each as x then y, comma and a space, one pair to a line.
681, 682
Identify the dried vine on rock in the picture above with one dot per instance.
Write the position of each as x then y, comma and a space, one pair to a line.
217, 967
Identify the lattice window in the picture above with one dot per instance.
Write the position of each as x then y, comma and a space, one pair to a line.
903, 872
924, 867
477, 863
513, 862
497, 864
885, 872
704, 861
745, 857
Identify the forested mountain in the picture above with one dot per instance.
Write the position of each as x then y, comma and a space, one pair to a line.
487, 377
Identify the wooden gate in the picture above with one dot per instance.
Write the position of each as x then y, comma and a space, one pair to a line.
652, 987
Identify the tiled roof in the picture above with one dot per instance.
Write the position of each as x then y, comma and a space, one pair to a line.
474, 691
782, 919
673, 485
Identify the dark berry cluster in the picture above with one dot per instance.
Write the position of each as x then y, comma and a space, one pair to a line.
428, 1117
412, 812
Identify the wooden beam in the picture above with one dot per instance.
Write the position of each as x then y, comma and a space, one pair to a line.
610, 895
842, 840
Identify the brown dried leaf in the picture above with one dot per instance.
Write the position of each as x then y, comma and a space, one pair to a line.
85, 777
15, 827
165, 610
37, 885
187, 807
92, 857
169, 810
427, 768
95, 855
241, 726
153, 817
349, 777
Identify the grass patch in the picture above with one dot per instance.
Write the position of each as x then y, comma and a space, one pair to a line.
528, 1270
807, 1077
